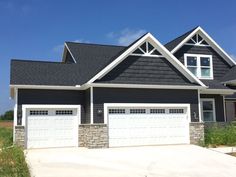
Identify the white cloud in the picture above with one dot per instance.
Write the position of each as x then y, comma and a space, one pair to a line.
59, 48
233, 56
126, 36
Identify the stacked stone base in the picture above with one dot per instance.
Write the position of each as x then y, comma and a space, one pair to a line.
96, 135
20, 136
93, 135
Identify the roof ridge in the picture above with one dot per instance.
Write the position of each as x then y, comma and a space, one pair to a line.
83, 43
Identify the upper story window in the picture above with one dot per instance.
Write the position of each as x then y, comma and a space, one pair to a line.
200, 65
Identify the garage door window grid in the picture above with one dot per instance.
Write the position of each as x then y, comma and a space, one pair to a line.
38, 112
64, 112
146, 111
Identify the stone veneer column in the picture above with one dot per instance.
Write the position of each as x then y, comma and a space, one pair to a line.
93, 135
20, 136
196, 130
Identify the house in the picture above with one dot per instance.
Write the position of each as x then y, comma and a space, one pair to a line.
111, 96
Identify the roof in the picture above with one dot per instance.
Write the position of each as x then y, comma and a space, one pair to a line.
173, 43
230, 75
214, 84
25, 72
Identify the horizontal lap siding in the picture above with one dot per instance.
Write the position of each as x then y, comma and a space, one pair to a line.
219, 106
145, 70
63, 97
220, 66
122, 95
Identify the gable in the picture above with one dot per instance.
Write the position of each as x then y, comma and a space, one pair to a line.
220, 66
198, 37
145, 70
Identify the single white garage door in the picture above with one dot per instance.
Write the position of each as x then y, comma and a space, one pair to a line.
134, 126
52, 127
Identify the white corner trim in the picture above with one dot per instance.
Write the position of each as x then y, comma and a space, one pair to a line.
199, 107
48, 106
210, 41
15, 112
184, 87
156, 44
145, 105
91, 105
224, 107
214, 110
70, 52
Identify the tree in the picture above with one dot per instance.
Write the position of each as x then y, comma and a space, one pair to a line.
8, 115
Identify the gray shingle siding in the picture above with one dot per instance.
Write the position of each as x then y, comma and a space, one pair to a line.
219, 106
220, 66
145, 70
122, 95
63, 97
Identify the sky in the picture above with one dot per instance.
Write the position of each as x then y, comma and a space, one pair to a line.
37, 29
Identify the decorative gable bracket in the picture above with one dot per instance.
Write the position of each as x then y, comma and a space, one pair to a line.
146, 49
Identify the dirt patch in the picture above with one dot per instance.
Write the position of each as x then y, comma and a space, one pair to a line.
233, 154
7, 124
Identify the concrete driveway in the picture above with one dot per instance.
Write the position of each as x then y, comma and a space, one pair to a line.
149, 161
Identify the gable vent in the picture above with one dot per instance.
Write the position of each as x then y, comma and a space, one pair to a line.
146, 49
197, 40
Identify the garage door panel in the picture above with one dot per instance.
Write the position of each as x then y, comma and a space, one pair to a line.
142, 127
53, 129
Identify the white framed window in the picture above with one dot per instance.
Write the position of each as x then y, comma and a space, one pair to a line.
200, 65
208, 109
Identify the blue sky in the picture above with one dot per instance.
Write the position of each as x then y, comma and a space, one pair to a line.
37, 29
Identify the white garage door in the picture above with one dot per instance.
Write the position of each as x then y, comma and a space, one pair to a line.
52, 127
148, 126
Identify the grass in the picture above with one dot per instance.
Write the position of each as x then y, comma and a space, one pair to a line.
218, 136
12, 159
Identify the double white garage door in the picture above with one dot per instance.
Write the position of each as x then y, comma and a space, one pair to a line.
52, 127
131, 126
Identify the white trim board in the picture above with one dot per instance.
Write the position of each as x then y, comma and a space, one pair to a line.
145, 105
66, 46
152, 40
210, 41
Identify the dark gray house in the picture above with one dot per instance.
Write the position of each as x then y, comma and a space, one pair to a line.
109, 96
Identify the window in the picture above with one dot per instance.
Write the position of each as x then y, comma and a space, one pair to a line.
64, 112
200, 65
38, 112
176, 111
208, 110
146, 49
137, 111
157, 111
116, 111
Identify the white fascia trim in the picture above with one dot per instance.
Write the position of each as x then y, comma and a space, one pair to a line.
218, 91
56, 87
176, 105
230, 82
171, 58
91, 105
210, 41
47, 106
184, 87
70, 52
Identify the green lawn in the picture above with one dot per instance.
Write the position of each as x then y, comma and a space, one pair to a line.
12, 159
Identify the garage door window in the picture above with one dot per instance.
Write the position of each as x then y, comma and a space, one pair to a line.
157, 111
137, 111
64, 112
176, 111
116, 111
38, 112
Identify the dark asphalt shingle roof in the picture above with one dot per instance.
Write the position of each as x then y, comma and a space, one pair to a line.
230, 75
173, 43
214, 84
